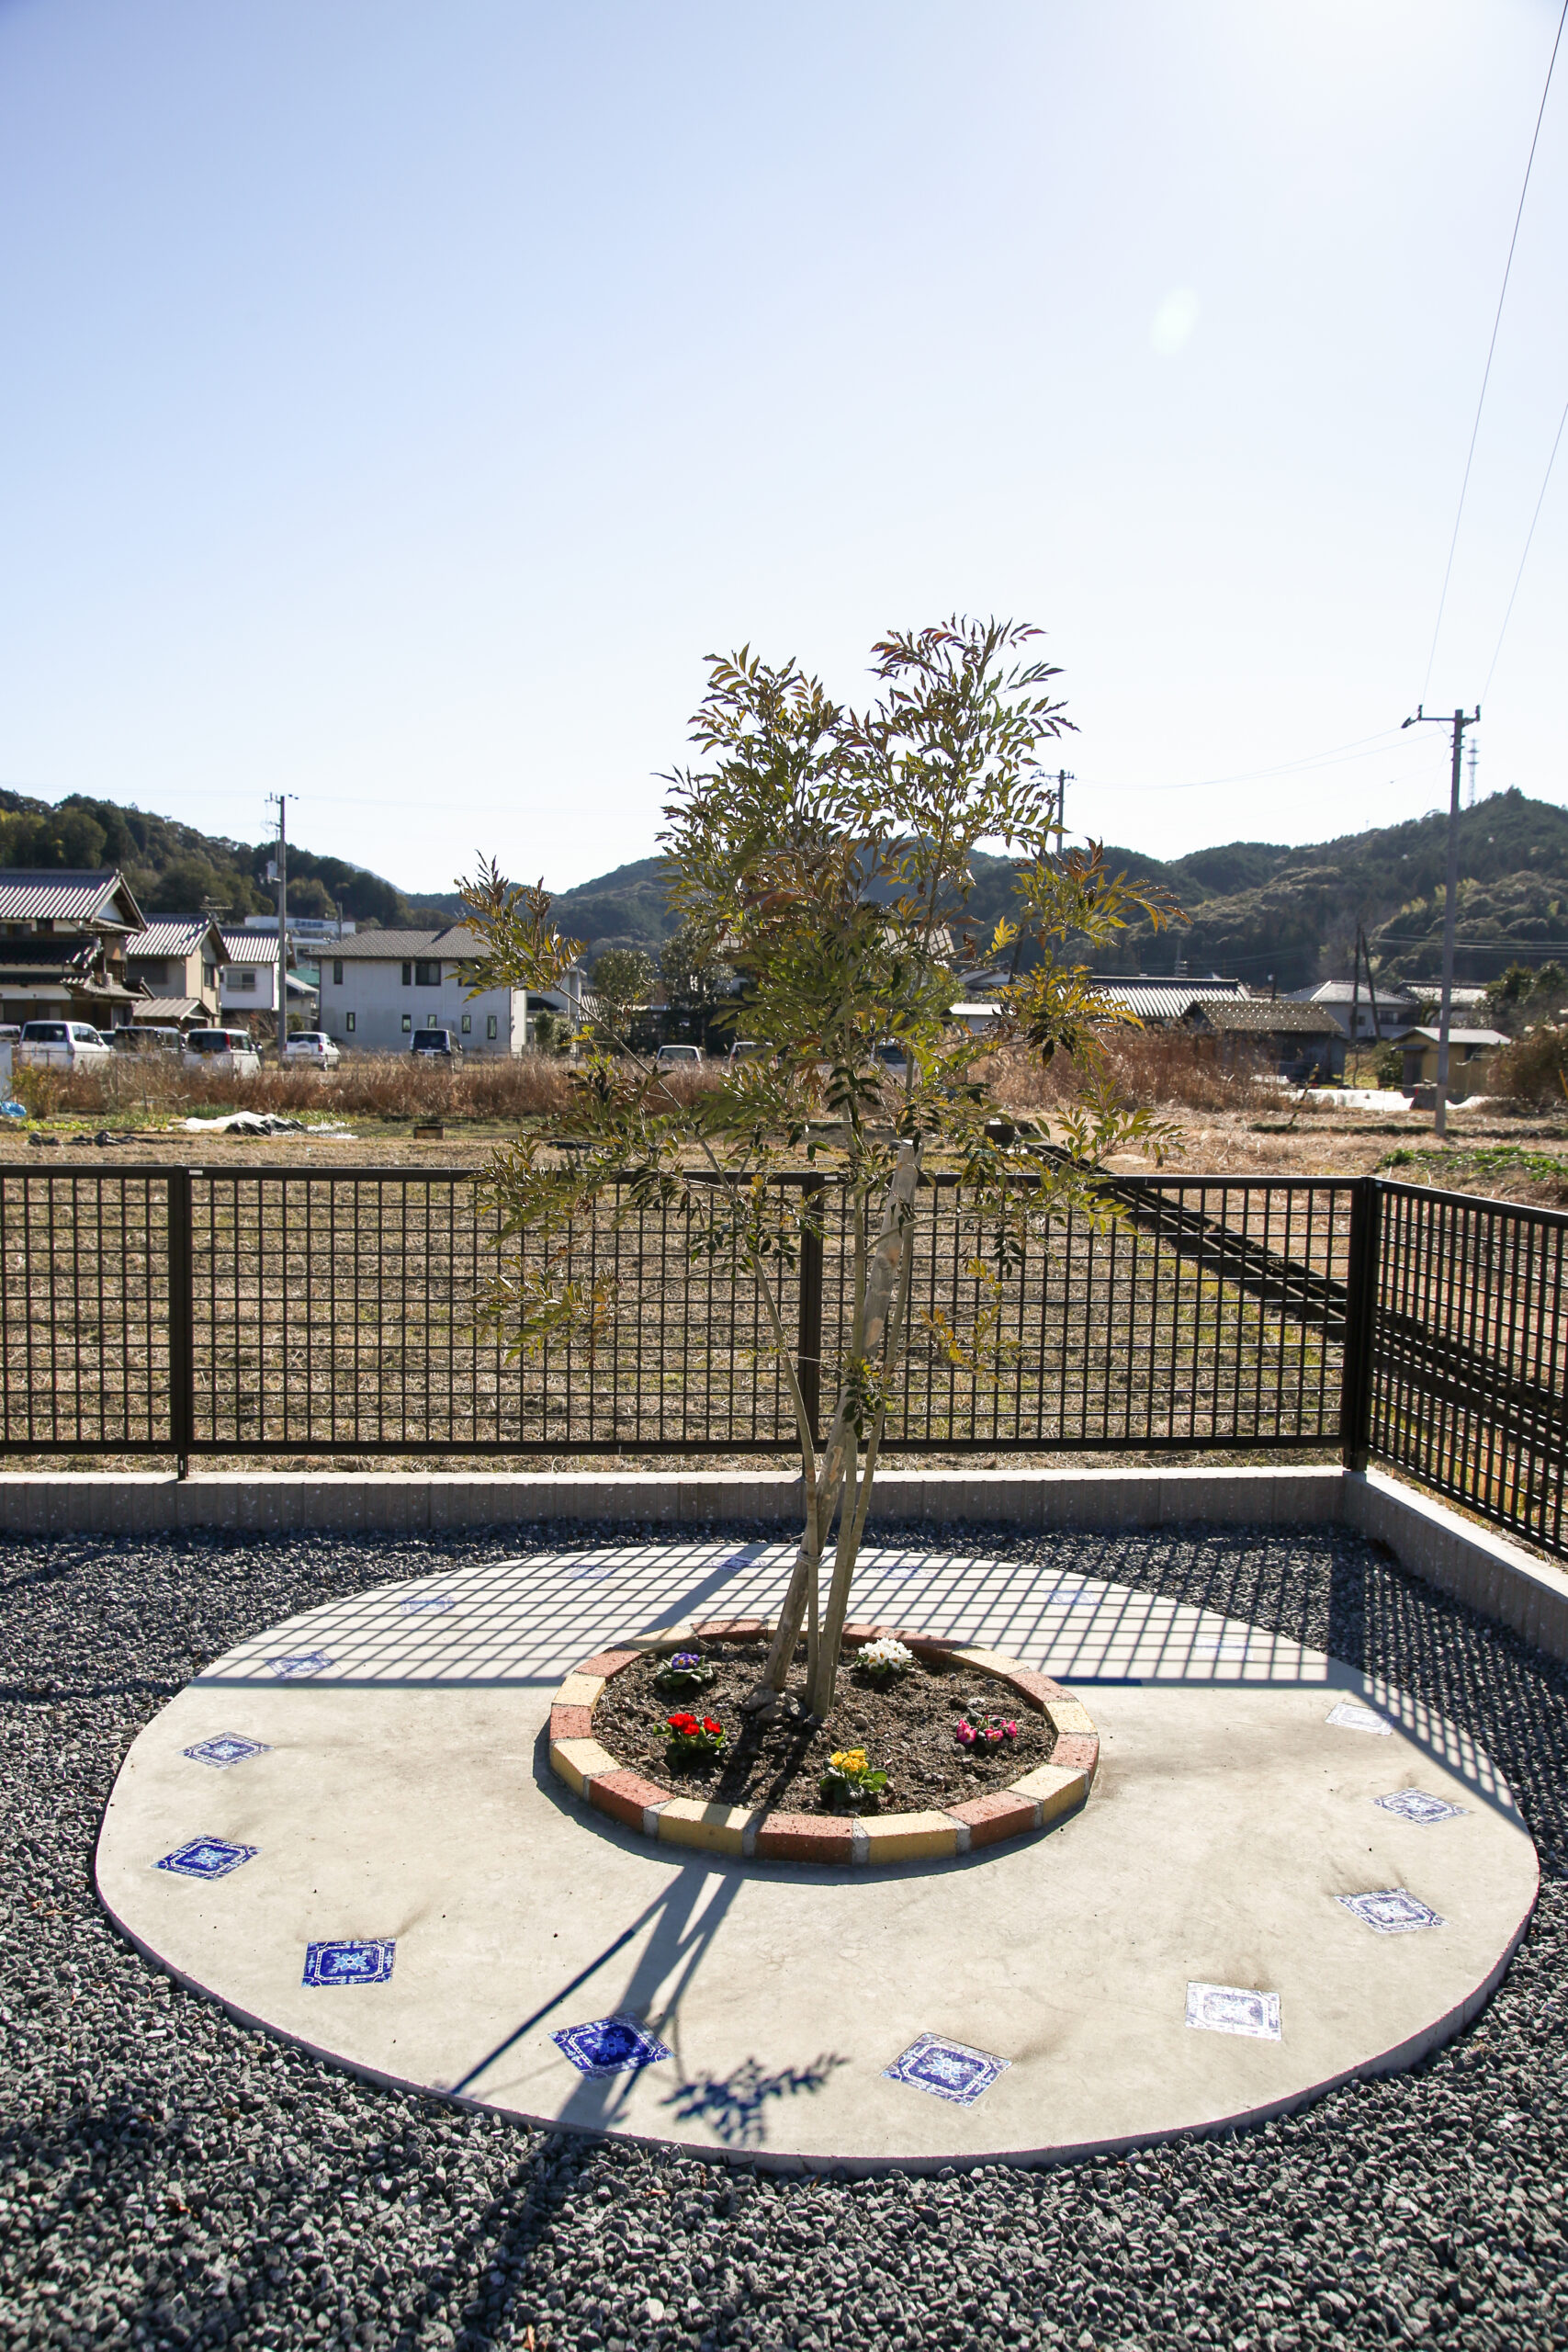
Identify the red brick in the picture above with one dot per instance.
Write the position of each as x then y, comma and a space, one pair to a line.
732, 1629
624, 1796
926, 1645
1037, 1690
608, 1662
805, 1838
1076, 1751
991, 1818
571, 1723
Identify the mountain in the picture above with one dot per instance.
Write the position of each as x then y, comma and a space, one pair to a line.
174, 868
1252, 908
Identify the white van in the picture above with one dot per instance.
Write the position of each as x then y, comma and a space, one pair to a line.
226, 1053
59, 1044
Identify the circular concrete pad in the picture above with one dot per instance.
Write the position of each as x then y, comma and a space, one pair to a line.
400, 1794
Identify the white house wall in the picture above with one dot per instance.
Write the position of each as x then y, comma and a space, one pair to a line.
375, 993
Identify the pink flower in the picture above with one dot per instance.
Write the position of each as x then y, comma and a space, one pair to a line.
964, 1733
1010, 1730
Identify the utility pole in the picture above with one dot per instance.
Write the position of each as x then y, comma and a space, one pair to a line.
1470, 786
1063, 777
1459, 722
280, 874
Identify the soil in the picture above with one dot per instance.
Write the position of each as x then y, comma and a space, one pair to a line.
905, 1728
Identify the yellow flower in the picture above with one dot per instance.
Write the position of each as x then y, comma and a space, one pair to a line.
849, 1759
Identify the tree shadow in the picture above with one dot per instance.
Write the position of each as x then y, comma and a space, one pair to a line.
735, 2107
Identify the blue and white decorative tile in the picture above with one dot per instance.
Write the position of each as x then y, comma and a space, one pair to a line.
1414, 1804
294, 1669
207, 1857
426, 1604
610, 2046
1392, 1912
1233, 2009
1350, 1717
227, 1749
357, 1960
949, 2070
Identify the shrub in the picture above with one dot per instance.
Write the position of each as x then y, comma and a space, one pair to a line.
1534, 1069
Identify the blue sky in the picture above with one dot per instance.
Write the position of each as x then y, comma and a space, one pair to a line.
399, 401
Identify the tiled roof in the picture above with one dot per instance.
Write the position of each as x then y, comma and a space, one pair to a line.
452, 945
1344, 992
249, 947
170, 1008
170, 935
1164, 1000
29, 896
1269, 1016
1461, 1036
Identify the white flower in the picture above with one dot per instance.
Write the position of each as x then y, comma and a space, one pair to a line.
888, 1657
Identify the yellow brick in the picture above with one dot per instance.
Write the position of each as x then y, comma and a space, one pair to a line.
1068, 1715
909, 1837
1055, 1789
718, 1828
579, 1691
577, 1761
985, 1661
669, 1637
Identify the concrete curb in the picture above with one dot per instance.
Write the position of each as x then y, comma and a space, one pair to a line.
1454, 1553
1038, 1799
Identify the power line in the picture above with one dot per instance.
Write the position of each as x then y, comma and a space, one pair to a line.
1529, 535
1490, 348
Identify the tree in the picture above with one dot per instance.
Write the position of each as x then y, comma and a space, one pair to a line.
692, 969
622, 978
829, 852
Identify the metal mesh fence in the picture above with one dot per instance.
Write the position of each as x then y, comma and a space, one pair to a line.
1469, 1353
85, 1326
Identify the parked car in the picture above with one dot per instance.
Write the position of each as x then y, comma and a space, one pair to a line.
228, 1053
312, 1046
10, 1033
678, 1058
436, 1041
149, 1039
744, 1049
59, 1044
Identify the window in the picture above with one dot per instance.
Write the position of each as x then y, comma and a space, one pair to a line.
348, 1023
408, 1020
468, 1023
337, 971
489, 1025
408, 980
242, 980
208, 976
427, 976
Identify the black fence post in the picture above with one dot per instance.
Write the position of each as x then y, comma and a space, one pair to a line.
808, 1349
1361, 1317
182, 1318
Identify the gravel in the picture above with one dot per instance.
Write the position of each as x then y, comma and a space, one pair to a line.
167, 2178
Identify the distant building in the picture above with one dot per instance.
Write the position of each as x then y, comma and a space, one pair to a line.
174, 962
63, 937
380, 987
248, 982
1469, 1056
1397, 1009
1156, 1002
1302, 1041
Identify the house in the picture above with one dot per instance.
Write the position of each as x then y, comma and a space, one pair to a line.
248, 981
1469, 1056
62, 938
379, 987
1302, 1041
174, 962
1156, 1002
1397, 1009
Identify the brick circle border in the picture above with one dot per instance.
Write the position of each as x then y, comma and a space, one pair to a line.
1030, 1803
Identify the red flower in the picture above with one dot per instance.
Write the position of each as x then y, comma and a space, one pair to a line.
709, 1725
687, 1725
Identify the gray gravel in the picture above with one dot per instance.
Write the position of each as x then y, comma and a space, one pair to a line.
169, 2179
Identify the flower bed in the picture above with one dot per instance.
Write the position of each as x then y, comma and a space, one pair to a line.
920, 1727
985, 1790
